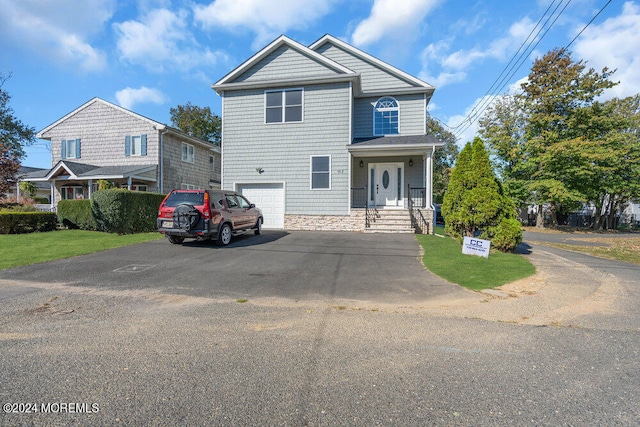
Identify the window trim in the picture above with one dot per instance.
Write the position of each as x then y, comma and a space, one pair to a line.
283, 105
189, 159
376, 109
311, 172
66, 153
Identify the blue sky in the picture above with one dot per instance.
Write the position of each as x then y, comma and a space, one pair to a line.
151, 55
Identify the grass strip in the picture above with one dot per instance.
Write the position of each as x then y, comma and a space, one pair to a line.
444, 257
24, 249
619, 249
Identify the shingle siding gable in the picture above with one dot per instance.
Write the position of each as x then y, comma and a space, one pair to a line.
102, 130
285, 63
373, 78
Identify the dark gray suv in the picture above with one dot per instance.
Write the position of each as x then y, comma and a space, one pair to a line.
207, 215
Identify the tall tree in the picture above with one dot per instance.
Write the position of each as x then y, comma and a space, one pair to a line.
196, 121
536, 135
444, 157
14, 136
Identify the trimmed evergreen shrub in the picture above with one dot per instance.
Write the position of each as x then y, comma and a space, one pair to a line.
27, 222
76, 214
125, 212
474, 203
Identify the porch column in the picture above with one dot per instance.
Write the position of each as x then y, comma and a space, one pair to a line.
428, 174
129, 183
90, 184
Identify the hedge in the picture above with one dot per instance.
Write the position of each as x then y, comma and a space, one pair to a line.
125, 212
76, 214
27, 222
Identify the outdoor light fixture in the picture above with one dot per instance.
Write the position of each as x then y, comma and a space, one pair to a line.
361, 164
259, 170
410, 162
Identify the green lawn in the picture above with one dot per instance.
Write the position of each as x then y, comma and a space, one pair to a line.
24, 249
443, 256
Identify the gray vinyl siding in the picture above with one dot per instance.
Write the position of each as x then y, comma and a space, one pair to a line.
102, 131
412, 115
284, 150
285, 63
373, 78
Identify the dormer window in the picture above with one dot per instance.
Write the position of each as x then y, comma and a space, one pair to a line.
385, 117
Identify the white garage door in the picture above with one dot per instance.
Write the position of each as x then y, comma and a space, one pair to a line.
269, 198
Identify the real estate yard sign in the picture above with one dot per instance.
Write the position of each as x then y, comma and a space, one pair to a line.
473, 246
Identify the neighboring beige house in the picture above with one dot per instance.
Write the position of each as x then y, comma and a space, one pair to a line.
102, 141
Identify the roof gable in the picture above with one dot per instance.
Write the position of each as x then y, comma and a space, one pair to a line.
92, 102
377, 75
284, 59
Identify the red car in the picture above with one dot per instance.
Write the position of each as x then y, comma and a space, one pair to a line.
207, 215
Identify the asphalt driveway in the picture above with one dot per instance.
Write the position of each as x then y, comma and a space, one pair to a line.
294, 265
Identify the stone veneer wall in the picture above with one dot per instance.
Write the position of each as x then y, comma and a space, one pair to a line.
353, 222
428, 215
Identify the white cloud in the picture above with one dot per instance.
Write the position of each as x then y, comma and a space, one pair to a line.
129, 97
614, 44
387, 16
267, 19
59, 31
162, 38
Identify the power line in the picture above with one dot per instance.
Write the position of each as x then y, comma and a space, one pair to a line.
490, 95
486, 101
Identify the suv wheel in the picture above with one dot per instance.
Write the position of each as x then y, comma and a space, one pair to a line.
186, 216
225, 235
176, 240
258, 229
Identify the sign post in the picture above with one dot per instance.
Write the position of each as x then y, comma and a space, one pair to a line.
478, 247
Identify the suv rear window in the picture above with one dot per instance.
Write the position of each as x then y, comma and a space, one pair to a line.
193, 199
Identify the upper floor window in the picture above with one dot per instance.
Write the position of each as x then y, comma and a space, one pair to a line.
70, 149
135, 145
385, 117
283, 106
212, 163
188, 153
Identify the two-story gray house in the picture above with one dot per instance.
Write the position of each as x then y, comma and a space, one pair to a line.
315, 135
102, 141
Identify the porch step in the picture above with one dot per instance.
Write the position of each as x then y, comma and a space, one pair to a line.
391, 221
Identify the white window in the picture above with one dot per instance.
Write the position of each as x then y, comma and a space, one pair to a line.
283, 106
188, 187
70, 149
386, 117
72, 193
212, 163
320, 172
188, 153
135, 145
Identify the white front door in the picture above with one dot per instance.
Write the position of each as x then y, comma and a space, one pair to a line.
386, 184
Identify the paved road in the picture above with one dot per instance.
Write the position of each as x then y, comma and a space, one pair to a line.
190, 354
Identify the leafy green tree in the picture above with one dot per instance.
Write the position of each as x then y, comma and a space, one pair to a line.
475, 201
546, 140
198, 122
443, 159
28, 187
14, 135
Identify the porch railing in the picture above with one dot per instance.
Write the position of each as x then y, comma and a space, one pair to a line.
416, 198
360, 199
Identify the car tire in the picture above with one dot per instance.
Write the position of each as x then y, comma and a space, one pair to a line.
258, 229
176, 240
224, 237
186, 217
